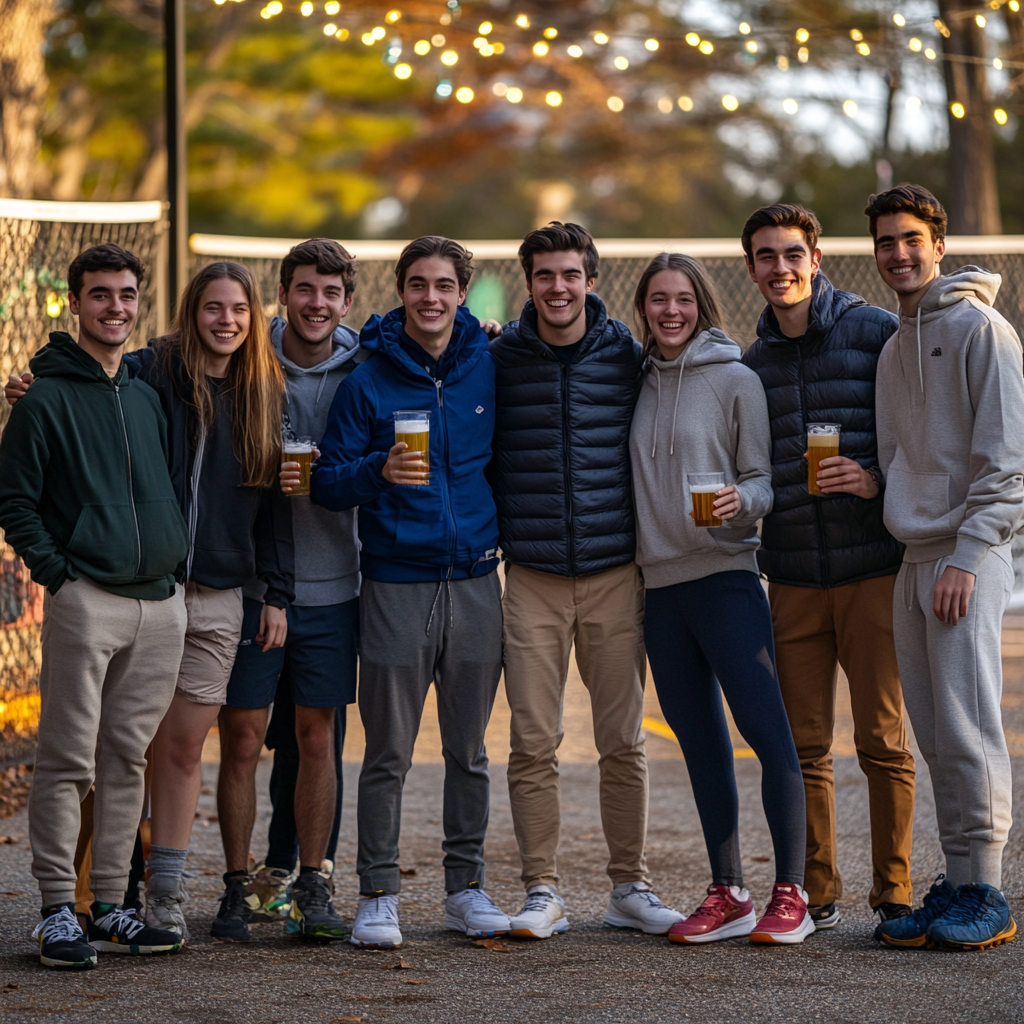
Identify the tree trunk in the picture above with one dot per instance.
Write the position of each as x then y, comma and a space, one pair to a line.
23, 25
974, 196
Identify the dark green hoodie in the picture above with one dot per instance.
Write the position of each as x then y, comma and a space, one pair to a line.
84, 484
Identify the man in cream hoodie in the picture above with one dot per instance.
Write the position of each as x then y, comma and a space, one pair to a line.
950, 412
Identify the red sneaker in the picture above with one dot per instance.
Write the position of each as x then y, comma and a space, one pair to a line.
726, 913
786, 920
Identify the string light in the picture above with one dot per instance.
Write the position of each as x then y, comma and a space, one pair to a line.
803, 55
378, 33
332, 7
744, 28
499, 88
790, 106
899, 20
940, 26
523, 21
437, 40
485, 28
980, 20
665, 105
615, 104
551, 33
997, 64
392, 16
274, 7
600, 38
575, 51
330, 29
540, 49
367, 38
863, 49
856, 35
53, 305
621, 63
449, 58
751, 46
1014, 6
464, 95
915, 44
930, 53
913, 104
306, 9
341, 34
514, 95
706, 47
782, 61
1000, 115
553, 99
421, 48
403, 71
802, 35
685, 104
480, 41
693, 39
651, 44
444, 89
486, 50
730, 102
957, 110
850, 108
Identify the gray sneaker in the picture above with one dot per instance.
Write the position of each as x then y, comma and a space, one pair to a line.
163, 910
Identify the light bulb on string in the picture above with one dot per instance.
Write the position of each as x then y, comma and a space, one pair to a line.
744, 28
751, 46
651, 44
553, 99
403, 71
601, 39
523, 21
551, 33
1000, 115
438, 40
514, 95
332, 7
958, 110
915, 44
485, 28
392, 16
449, 58
621, 63
706, 47
464, 95
913, 104
850, 108
802, 35
930, 53
616, 105
306, 9
898, 20
685, 103
693, 39
575, 51
665, 105
790, 106
803, 55
540, 49
730, 102
499, 88
421, 48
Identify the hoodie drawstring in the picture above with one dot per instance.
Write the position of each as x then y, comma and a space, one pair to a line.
451, 606
675, 408
320, 390
657, 413
920, 369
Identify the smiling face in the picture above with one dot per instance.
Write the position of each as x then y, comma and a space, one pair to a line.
906, 256
783, 265
107, 307
223, 317
316, 304
431, 295
671, 311
559, 287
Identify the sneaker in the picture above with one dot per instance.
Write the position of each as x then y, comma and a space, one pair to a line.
312, 912
163, 910
376, 923
636, 906
979, 919
62, 942
473, 913
726, 913
236, 907
271, 887
542, 916
912, 929
115, 929
825, 916
785, 921
890, 911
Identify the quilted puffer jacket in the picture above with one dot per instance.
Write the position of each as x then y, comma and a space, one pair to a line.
828, 375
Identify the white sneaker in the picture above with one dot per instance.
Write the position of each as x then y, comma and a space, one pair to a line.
635, 905
473, 913
542, 916
376, 923
163, 910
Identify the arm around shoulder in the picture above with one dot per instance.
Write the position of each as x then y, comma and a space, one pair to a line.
753, 451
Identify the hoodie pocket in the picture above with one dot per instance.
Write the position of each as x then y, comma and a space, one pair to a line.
164, 537
103, 543
916, 505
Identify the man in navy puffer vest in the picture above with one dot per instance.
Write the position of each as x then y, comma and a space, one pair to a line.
566, 384
430, 609
830, 562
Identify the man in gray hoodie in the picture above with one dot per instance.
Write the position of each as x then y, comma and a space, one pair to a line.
950, 412
313, 677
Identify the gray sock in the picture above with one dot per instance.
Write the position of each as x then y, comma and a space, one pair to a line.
165, 866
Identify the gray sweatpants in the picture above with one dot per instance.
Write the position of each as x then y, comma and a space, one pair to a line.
413, 634
108, 673
952, 684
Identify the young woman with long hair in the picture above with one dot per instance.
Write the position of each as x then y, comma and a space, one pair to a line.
222, 391
707, 623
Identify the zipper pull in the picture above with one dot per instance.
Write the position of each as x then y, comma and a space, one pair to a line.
440, 398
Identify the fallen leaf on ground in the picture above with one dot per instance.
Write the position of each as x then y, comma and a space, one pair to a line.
8, 840
761, 860
416, 981
12, 893
409, 872
350, 1018
11, 987
400, 966
492, 944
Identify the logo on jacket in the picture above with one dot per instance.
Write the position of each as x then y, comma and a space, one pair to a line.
479, 409
936, 351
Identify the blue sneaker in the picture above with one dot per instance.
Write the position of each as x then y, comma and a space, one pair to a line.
979, 919
912, 929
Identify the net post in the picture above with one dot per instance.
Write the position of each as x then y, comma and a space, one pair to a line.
177, 149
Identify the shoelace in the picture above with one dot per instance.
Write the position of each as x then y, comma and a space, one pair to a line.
60, 927
714, 903
967, 906
169, 899
537, 901
480, 898
120, 921
385, 908
234, 897
648, 894
785, 905
317, 895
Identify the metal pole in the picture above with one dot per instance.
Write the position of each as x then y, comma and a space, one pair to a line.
177, 149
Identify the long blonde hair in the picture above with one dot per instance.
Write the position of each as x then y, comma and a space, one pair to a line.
255, 383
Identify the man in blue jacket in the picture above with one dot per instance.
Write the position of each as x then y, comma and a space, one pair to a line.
431, 600
831, 563
567, 381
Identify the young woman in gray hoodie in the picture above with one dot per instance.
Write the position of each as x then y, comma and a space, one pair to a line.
707, 624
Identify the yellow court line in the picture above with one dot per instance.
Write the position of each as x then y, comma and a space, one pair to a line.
662, 730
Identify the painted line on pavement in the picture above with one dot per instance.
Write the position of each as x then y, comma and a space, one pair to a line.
662, 730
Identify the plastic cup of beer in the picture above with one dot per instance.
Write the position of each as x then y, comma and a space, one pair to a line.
413, 427
298, 450
703, 488
822, 443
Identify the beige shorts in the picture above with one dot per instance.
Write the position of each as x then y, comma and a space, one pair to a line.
211, 642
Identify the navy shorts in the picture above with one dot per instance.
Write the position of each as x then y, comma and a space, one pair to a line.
320, 654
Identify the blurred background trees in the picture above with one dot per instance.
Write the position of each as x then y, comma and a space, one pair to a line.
674, 117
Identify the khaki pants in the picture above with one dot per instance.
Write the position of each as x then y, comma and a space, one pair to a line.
107, 678
851, 625
543, 614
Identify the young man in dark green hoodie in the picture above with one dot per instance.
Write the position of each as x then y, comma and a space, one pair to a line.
86, 501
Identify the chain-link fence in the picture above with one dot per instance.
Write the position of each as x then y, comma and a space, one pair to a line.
37, 243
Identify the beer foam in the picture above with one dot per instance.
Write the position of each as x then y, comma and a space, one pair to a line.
412, 427
823, 440
706, 488
297, 448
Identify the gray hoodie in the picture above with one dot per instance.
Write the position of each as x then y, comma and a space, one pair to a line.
950, 410
326, 543
702, 412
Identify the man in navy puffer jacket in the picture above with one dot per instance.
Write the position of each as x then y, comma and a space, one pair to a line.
567, 381
830, 562
431, 601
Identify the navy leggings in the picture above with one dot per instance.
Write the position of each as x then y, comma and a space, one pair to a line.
720, 626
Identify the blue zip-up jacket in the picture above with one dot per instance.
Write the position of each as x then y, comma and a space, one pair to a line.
447, 529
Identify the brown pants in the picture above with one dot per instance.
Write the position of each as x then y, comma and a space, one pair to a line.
851, 625
604, 613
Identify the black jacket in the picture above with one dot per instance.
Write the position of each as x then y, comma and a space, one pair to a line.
235, 532
829, 376
561, 473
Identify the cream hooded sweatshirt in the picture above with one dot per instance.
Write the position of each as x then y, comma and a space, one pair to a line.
702, 412
950, 412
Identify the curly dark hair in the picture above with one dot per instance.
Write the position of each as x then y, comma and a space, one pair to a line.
326, 255
907, 198
781, 215
107, 256
559, 237
435, 245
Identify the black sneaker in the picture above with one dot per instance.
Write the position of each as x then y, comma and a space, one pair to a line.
824, 917
313, 914
890, 911
236, 906
62, 942
115, 929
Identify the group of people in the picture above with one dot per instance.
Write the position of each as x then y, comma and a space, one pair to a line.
191, 580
